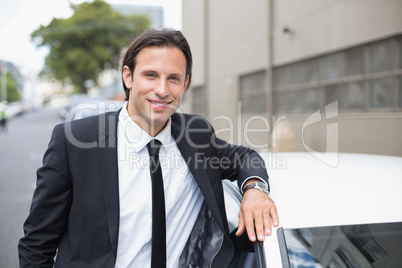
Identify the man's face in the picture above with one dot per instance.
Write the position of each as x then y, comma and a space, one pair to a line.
157, 86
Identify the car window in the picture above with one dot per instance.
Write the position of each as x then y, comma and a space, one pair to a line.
363, 245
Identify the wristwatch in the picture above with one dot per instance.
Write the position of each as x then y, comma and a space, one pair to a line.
263, 187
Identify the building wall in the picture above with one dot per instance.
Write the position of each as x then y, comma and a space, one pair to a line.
231, 39
224, 48
322, 26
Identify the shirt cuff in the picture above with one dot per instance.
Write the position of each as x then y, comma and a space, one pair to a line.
252, 177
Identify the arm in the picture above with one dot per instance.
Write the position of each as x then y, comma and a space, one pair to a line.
50, 206
244, 165
257, 210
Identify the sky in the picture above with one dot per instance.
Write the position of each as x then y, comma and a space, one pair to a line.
19, 18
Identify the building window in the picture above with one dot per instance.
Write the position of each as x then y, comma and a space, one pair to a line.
362, 79
381, 93
198, 100
398, 57
400, 92
352, 96
379, 56
253, 93
353, 61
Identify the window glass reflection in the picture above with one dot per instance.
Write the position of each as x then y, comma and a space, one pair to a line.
253, 82
353, 59
310, 99
295, 73
353, 96
309, 71
331, 94
348, 76
380, 56
330, 67
279, 102
252, 93
281, 76
399, 52
400, 91
381, 93
364, 245
253, 104
294, 103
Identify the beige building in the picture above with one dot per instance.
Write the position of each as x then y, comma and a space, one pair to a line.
315, 75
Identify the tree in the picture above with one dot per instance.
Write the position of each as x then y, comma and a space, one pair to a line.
87, 43
12, 91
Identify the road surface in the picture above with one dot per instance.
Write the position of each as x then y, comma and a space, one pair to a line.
21, 152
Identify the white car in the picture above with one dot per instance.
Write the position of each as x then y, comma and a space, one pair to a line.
342, 213
92, 107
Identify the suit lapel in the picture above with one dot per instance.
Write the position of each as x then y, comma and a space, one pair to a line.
108, 164
195, 163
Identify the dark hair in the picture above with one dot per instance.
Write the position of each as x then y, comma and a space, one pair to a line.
161, 38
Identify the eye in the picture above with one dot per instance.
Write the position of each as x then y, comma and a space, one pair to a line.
174, 78
150, 75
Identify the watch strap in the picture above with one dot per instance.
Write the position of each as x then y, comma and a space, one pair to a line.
261, 186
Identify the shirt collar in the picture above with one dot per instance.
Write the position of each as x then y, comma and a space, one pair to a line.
135, 136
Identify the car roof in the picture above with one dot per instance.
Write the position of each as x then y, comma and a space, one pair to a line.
360, 188
312, 190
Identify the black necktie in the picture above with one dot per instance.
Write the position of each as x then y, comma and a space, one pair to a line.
158, 259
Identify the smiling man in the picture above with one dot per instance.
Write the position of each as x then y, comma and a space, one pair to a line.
158, 83
147, 190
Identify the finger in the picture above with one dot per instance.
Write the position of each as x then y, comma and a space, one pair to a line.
250, 227
241, 226
259, 226
275, 217
267, 222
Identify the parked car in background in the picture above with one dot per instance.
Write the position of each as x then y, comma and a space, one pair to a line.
14, 109
347, 214
90, 108
82, 105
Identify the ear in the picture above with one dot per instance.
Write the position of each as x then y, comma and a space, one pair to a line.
127, 77
186, 82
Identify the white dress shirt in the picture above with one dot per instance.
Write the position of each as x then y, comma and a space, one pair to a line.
183, 198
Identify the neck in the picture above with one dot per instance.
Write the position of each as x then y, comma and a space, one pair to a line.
153, 129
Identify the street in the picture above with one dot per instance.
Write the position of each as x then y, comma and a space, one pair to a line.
21, 152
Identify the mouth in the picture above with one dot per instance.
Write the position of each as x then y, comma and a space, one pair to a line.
159, 105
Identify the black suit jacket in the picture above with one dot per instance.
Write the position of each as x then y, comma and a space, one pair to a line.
75, 207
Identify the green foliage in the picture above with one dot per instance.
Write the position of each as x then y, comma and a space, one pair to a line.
87, 43
12, 92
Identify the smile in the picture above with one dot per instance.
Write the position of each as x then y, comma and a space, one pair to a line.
159, 103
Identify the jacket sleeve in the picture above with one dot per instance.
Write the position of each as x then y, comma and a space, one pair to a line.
234, 162
50, 206
238, 162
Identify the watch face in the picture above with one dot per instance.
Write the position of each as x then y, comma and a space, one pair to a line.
261, 185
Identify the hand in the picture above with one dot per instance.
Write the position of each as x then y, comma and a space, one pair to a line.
256, 207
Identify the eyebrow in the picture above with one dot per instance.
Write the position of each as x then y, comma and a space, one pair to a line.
153, 71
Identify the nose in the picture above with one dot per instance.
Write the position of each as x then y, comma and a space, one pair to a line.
162, 89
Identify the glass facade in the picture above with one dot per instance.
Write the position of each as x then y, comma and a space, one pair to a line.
362, 79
